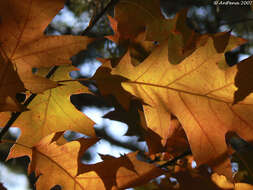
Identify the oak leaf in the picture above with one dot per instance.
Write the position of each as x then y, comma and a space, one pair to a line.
152, 138
138, 46
146, 17
243, 186
52, 111
197, 92
55, 164
182, 40
120, 173
109, 84
176, 142
195, 179
225, 184
23, 44
157, 133
140, 13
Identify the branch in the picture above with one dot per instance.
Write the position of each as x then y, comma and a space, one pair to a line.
15, 115
111, 4
174, 160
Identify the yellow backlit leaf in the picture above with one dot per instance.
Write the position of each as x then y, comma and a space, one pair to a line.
52, 111
54, 164
197, 92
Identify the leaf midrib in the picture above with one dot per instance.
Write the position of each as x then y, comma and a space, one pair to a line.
54, 162
183, 91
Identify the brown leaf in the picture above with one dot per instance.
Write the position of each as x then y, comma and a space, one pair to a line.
10, 85
243, 78
138, 47
140, 13
176, 140
109, 84
153, 139
221, 41
120, 173
182, 40
192, 180
23, 43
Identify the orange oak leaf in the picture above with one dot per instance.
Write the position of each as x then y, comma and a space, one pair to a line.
243, 186
146, 16
159, 126
60, 165
140, 13
119, 173
52, 111
23, 44
138, 46
132, 35
160, 28
197, 92
182, 41
55, 164
116, 37
221, 181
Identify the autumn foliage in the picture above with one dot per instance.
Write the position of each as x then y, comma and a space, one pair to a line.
190, 99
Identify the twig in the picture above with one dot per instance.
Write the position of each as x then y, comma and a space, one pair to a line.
130, 146
112, 3
174, 160
15, 115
